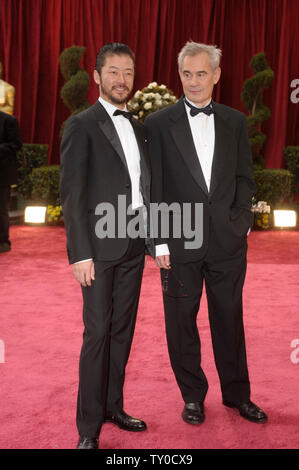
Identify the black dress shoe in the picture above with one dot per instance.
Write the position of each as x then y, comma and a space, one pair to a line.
126, 422
249, 411
88, 443
193, 413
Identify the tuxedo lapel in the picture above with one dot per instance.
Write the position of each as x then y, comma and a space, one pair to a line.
182, 135
144, 160
222, 146
107, 127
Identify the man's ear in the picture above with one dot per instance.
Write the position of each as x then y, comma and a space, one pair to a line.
96, 77
217, 74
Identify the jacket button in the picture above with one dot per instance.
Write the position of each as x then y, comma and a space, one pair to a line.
128, 185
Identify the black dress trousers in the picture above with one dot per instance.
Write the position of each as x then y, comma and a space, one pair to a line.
109, 313
224, 277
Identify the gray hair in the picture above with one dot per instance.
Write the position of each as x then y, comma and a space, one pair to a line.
193, 48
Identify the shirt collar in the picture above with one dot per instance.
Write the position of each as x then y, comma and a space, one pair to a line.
109, 107
195, 105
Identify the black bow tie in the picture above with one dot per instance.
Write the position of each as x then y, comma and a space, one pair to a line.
194, 111
126, 114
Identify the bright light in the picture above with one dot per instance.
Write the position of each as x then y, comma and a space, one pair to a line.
285, 218
35, 215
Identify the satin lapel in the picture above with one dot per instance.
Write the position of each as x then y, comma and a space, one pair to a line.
182, 135
144, 161
222, 146
107, 127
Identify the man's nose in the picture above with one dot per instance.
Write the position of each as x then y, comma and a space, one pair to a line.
121, 78
194, 81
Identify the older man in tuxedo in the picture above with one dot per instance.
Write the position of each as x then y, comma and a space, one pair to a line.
10, 143
103, 156
200, 156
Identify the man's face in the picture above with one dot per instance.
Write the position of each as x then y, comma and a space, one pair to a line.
116, 79
198, 78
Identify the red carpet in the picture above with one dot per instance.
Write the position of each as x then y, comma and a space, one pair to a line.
41, 328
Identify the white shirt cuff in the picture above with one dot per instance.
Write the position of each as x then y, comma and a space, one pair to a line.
162, 250
77, 262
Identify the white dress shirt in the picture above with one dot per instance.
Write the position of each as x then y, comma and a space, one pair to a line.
203, 133
129, 144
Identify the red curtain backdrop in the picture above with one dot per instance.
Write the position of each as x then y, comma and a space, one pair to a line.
33, 33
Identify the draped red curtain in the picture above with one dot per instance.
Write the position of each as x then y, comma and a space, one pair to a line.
33, 33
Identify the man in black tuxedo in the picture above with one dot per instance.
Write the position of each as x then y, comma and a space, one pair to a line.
103, 156
10, 143
200, 157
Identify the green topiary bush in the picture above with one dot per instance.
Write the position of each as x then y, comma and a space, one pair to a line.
45, 184
29, 157
74, 90
251, 97
291, 155
273, 186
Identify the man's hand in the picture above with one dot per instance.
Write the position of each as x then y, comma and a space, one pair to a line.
163, 261
84, 272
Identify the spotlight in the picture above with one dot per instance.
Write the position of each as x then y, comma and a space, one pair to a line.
35, 215
285, 218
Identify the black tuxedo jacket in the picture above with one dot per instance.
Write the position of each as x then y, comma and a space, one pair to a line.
93, 170
10, 143
177, 176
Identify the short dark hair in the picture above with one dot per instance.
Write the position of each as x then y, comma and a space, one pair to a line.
113, 48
